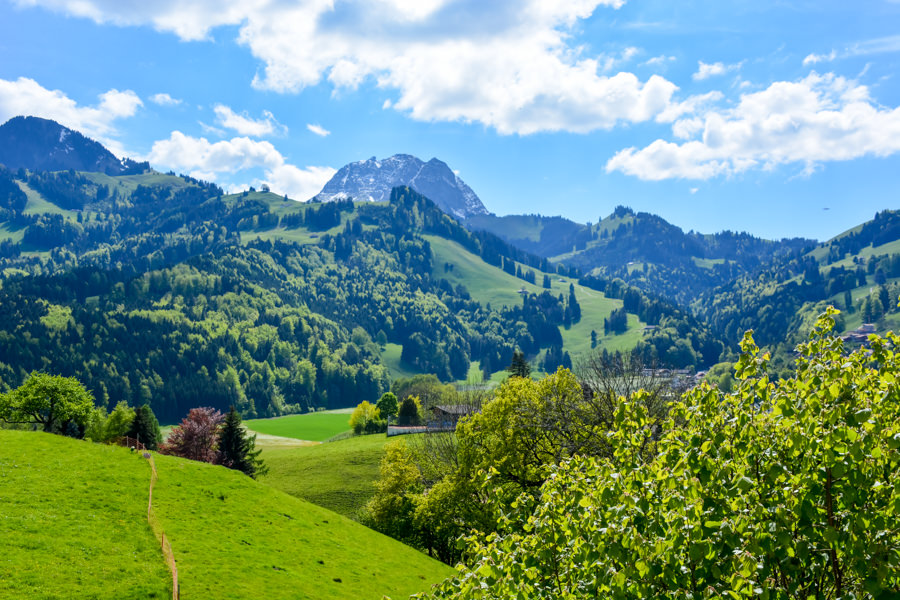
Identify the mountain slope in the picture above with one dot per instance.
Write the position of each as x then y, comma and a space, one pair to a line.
43, 145
373, 180
76, 528
642, 249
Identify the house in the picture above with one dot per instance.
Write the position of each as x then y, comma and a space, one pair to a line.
445, 416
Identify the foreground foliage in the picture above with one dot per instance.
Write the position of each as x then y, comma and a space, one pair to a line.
780, 489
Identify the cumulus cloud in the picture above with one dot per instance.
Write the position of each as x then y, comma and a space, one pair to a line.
508, 64
26, 96
318, 129
297, 183
244, 125
164, 100
209, 160
705, 71
817, 119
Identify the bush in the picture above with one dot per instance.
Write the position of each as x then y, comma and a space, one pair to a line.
779, 489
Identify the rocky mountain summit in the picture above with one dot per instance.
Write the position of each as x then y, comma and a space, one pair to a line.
44, 145
373, 180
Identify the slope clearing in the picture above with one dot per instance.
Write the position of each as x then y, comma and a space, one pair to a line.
74, 515
337, 475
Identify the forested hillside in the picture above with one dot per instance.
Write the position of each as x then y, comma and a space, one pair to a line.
642, 249
163, 289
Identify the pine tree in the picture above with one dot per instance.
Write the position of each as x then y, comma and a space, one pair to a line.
145, 428
519, 367
237, 449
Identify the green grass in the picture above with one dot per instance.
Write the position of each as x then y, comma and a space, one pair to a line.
339, 475
73, 521
316, 427
12, 233
74, 526
390, 356
37, 205
236, 538
487, 283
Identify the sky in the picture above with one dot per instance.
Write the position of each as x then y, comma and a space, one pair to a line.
779, 118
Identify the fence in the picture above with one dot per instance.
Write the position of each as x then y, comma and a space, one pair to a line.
155, 525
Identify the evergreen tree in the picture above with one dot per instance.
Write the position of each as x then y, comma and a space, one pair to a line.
519, 367
145, 428
546, 281
237, 450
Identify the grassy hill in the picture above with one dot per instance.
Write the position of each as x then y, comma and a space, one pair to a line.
315, 427
74, 526
336, 475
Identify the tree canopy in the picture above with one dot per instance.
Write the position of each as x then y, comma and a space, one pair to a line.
51, 401
779, 489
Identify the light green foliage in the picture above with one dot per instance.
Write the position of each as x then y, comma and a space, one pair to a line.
47, 400
103, 428
780, 489
365, 418
397, 492
387, 405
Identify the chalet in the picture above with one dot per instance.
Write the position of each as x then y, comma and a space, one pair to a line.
445, 416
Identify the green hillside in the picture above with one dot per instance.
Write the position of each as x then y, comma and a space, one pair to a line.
315, 427
74, 523
337, 475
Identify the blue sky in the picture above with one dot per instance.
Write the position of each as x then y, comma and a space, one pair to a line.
777, 118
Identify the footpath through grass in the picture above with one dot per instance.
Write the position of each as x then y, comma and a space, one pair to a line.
339, 476
73, 521
73, 524
316, 427
235, 538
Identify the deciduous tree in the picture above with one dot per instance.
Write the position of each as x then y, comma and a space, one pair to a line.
196, 437
51, 401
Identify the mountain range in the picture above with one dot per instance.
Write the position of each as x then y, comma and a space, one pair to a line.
276, 306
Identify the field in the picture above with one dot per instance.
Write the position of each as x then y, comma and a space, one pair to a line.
315, 427
74, 526
487, 283
74, 521
390, 356
336, 475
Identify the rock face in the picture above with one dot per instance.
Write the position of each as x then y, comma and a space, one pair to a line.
44, 145
373, 180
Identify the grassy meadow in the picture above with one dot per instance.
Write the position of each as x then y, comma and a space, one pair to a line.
315, 427
338, 475
73, 520
74, 526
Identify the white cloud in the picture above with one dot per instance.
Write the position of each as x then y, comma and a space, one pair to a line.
244, 125
880, 45
188, 153
209, 160
817, 58
705, 71
297, 183
817, 119
657, 61
27, 97
508, 64
318, 129
164, 100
